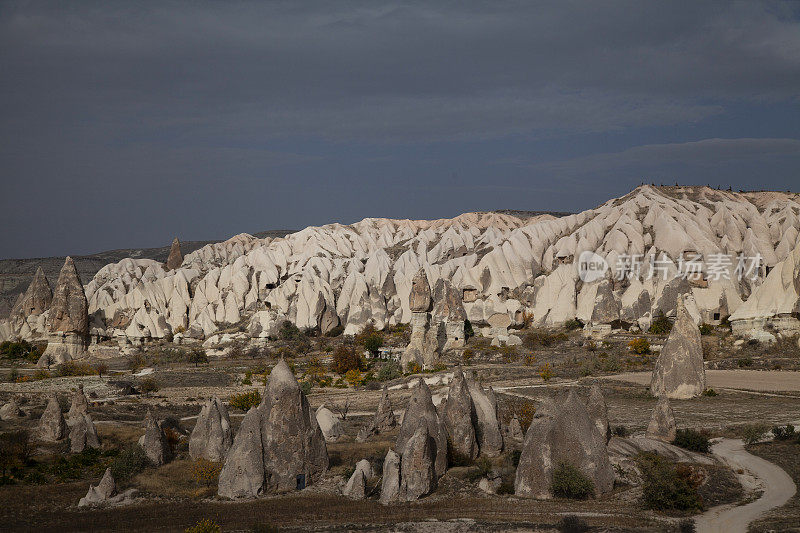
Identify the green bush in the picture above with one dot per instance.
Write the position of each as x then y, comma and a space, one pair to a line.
570, 325
753, 433
149, 385
745, 362
246, 400
370, 338
130, 461
663, 488
786, 432
21, 350
289, 332
389, 371
661, 325
706, 329
569, 482
690, 439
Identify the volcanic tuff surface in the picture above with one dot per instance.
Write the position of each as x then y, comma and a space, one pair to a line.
499, 263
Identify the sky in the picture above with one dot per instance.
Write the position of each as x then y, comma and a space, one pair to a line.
124, 124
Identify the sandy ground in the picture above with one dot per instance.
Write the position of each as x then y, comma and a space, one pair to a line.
777, 485
751, 380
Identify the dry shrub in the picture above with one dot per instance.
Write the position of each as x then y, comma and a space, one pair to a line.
346, 358
205, 472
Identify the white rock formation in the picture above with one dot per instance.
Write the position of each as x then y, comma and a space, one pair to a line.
326, 275
328, 423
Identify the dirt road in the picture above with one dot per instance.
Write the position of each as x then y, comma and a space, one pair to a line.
778, 488
751, 380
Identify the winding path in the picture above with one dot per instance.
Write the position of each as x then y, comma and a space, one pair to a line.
778, 488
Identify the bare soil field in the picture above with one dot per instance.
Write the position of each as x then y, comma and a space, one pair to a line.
43, 495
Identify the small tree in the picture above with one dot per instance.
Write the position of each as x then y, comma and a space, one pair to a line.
198, 356
341, 409
346, 358
101, 368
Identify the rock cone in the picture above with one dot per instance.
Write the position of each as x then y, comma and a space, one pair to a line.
662, 422
35, 301
79, 405
384, 419
487, 424
679, 371
357, 484
328, 423
102, 492
212, 436
82, 434
11, 410
569, 436
390, 485
68, 317
52, 426
419, 299
417, 466
279, 447
458, 414
421, 412
598, 411
154, 441
243, 473
175, 258
69, 310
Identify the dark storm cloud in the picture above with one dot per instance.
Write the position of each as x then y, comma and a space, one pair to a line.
157, 114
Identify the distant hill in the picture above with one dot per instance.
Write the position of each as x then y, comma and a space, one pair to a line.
16, 274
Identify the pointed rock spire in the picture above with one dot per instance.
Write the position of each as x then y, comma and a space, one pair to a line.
154, 441
421, 412
175, 259
79, 406
662, 422
211, 437
102, 492
596, 406
487, 427
82, 434
69, 310
417, 467
568, 436
243, 473
35, 301
679, 371
52, 426
279, 446
383, 420
458, 413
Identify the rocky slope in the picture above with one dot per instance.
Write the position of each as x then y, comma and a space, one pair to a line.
17, 274
500, 263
